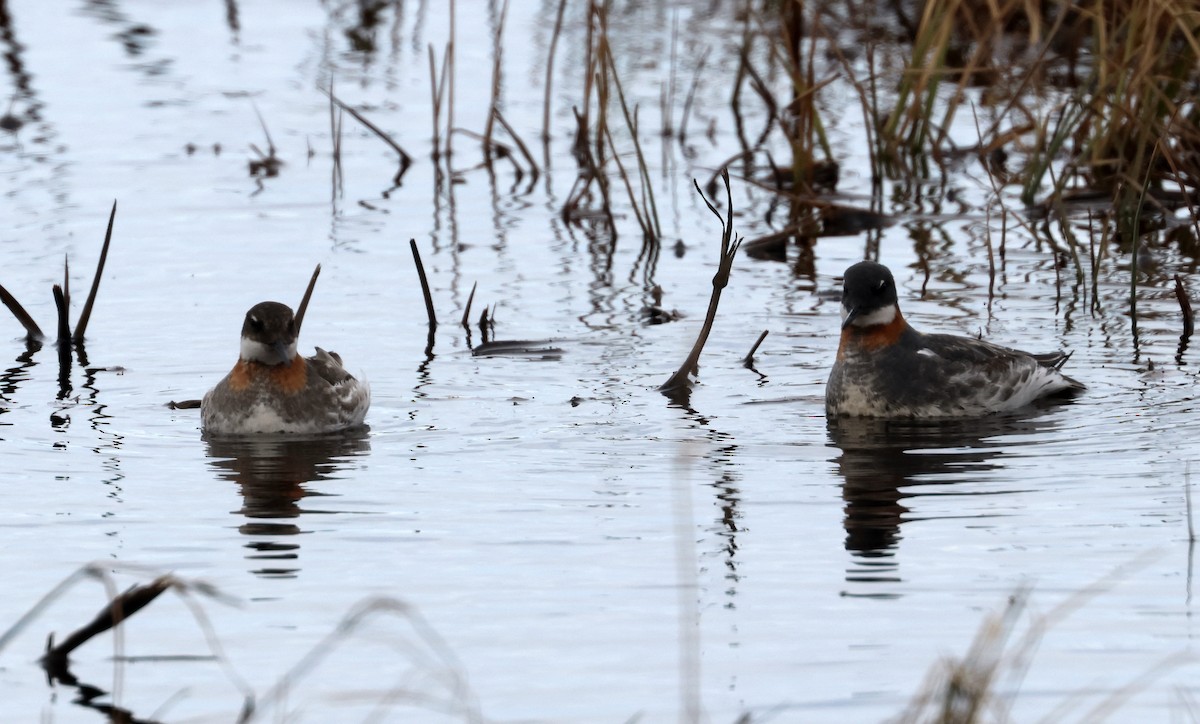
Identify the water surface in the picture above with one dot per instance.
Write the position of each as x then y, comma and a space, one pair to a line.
577, 547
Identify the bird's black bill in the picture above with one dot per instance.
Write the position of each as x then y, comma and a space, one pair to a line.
851, 315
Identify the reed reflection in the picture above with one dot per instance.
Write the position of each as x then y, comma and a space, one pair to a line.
886, 464
274, 473
11, 378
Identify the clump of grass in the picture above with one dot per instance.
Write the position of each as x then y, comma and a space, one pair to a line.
960, 691
595, 144
432, 679
983, 683
1131, 72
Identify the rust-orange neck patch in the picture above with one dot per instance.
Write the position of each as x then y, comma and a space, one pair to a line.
873, 337
289, 378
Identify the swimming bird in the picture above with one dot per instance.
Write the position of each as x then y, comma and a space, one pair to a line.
887, 369
274, 389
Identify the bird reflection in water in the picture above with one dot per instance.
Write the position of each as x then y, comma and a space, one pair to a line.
885, 463
273, 474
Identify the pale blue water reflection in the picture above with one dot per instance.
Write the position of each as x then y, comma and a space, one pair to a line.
887, 466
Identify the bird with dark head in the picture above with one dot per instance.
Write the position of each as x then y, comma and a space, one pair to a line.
887, 369
272, 388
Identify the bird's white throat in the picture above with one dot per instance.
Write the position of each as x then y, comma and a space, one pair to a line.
883, 315
255, 351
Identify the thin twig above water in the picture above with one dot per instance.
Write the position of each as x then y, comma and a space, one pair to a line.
405, 159
680, 383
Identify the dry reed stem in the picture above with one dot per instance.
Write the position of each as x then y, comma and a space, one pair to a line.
558, 23
335, 134
112, 615
467, 312
646, 209
405, 159
638, 212
533, 167
64, 324
451, 52
735, 99
666, 96
86, 314
32, 330
960, 690
300, 310
429, 652
497, 64
749, 358
437, 89
118, 610
266, 132
426, 654
690, 98
680, 382
412, 243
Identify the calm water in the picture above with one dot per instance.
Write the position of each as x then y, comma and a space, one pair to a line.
566, 543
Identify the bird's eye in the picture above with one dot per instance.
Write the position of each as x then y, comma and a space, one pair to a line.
881, 285
254, 322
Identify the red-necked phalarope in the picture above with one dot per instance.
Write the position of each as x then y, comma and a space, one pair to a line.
273, 389
887, 369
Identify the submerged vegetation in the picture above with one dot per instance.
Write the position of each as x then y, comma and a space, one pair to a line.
1068, 100
1075, 119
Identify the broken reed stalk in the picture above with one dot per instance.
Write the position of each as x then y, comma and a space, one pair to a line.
680, 382
749, 360
114, 612
32, 330
405, 159
312, 283
86, 314
558, 22
64, 324
467, 312
533, 167
424, 285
